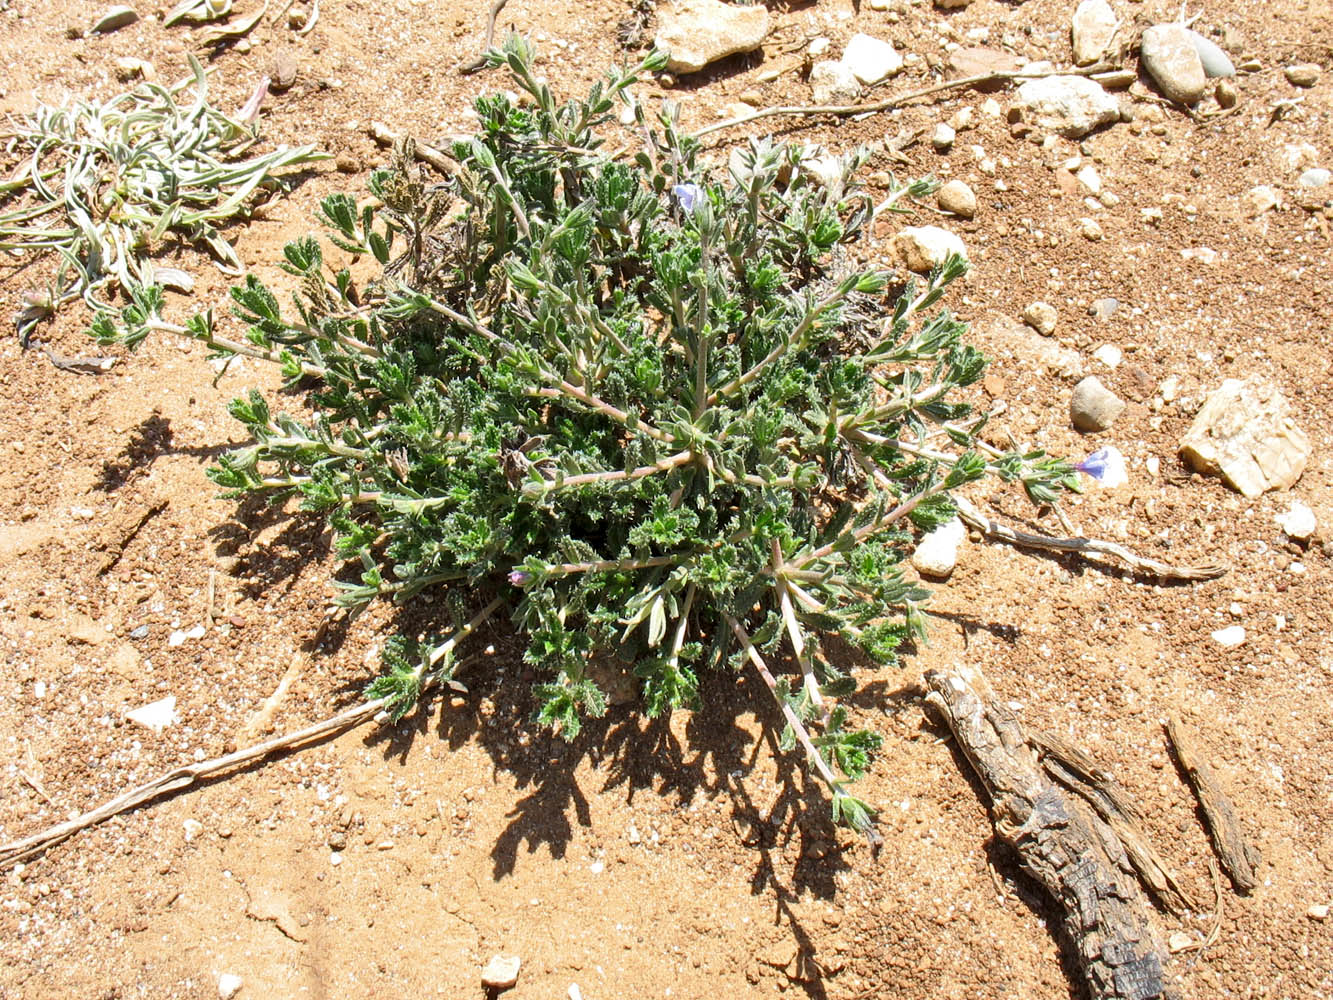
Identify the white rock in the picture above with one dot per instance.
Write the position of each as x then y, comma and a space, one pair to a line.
1215, 62
819, 47
1318, 912
1090, 179
1092, 29
871, 60
942, 138
1260, 199
921, 248
1230, 637
176, 638
501, 972
1168, 54
937, 552
1245, 433
699, 32
192, 829
156, 716
1299, 522
833, 83
1315, 177
1109, 355
229, 985
1071, 105
951, 4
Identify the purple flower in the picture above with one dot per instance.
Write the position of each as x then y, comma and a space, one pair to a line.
1106, 465
520, 578
687, 195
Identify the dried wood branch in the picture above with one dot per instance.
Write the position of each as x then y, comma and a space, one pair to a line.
1085, 547
1239, 858
1075, 856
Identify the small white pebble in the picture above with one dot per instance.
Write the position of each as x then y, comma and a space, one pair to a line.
335, 859
1318, 912
229, 985
1230, 637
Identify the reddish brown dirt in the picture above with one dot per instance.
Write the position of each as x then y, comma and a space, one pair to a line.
619, 863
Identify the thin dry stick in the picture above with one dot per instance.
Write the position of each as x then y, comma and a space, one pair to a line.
472, 65
889, 103
181, 778
438, 159
973, 518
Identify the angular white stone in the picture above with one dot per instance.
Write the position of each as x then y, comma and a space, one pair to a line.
501, 972
937, 552
156, 716
229, 985
1299, 522
922, 248
833, 83
1230, 637
1245, 433
699, 32
871, 59
1091, 32
1071, 105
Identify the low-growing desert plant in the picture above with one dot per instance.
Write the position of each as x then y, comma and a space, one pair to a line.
645, 406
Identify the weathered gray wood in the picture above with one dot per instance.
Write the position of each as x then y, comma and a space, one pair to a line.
1239, 858
1075, 857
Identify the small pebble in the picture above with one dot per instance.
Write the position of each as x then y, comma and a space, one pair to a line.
139, 633
1042, 317
1315, 177
942, 138
1090, 229
192, 829
1103, 309
1302, 74
1226, 94
956, 197
1093, 407
501, 972
1109, 355
229, 985
1318, 912
1298, 522
1230, 637
936, 554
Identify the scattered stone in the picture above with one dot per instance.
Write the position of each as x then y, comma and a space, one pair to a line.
1103, 309
1093, 407
632, 835
282, 71
879, 5
1204, 255
1042, 317
958, 198
141, 632
1298, 523
951, 4
871, 60
1109, 355
1260, 199
747, 830
192, 829
156, 716
501, 972
922, 248
942, 138
981, 61
1090, 179
1215, 62
229, 985
1090, 229
1245, 433
819, 47
1169, 56
114, 19
1230, 637
1315, 177
1091, 32
936, 554
1302, 74
1318, 912
1226, 94
1070, 105
699, 32
963, 119
833, 83
128, 68
1180, 941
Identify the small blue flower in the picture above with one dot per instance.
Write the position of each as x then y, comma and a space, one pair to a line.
688, 195
520, 578
1106, 465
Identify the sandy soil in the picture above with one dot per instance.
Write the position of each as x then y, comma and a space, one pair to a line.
684, 858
